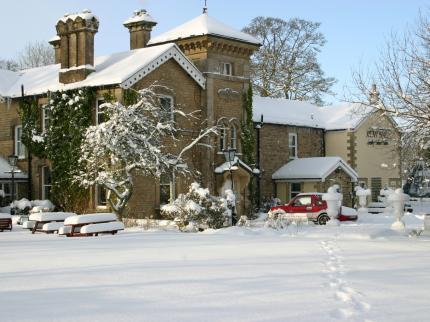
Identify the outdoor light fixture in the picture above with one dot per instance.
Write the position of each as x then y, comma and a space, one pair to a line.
13, 159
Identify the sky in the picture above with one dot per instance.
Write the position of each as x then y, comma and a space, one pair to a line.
355, 30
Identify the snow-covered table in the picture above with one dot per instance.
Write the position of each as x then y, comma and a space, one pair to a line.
42, 218
91, 225
5, 221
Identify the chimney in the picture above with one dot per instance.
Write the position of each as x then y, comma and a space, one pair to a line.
140, 27
55, 42
76, 32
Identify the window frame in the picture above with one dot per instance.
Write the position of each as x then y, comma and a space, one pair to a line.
100, 205
227, 71
294, 192
44, 185
172, 105
98, 112
45, 116
18, 143
233, 137
294, 146
170, 182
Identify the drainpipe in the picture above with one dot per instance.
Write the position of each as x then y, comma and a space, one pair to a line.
29, 163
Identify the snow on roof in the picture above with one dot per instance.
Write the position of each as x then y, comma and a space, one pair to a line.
138, 16
5, 171
7, 79
226, 166
124, 68
203, 25
300, 113
312, 169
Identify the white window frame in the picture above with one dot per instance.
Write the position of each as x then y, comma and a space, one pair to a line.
294, 146
227, 69
18, 143
223, 137
45, 116
96, 195
171, 105
44, 186
295, 192
171, 185
98, 112
233, 137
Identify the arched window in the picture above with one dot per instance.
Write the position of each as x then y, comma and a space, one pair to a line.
223, 139
233, 137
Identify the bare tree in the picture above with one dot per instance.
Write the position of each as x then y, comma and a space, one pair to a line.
9, 64
36, 54
402, 77
287, 65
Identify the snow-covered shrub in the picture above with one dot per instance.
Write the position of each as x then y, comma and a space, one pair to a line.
198, 207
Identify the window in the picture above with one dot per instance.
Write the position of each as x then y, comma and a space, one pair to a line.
19, 147
101, 200
292, 145
233, 137
45, 118
101, 116
46, 183
303, 201
223, 139
226, 69
295, 189
166, 189
166, 104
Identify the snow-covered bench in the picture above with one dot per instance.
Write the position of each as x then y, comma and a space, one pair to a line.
5, 221
42, 218
29, 224
91, 224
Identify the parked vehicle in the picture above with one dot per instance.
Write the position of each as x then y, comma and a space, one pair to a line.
315, 208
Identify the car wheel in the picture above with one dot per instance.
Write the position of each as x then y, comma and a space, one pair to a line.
322, 219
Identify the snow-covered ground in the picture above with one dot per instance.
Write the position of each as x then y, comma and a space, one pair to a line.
360, 271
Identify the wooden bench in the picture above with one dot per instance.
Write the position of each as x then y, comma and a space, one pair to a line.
5, 222
42, 218
91, 225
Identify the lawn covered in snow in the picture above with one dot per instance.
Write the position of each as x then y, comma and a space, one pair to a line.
360, 271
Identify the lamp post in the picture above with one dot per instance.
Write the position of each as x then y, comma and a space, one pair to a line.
230, 155
12, 162
258, 126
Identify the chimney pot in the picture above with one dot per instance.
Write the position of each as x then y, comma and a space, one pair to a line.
140, 26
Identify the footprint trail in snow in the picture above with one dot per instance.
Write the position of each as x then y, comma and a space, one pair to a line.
351, 305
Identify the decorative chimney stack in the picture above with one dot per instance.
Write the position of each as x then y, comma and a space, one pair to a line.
374, 95
76, 32
55, 42
140, 26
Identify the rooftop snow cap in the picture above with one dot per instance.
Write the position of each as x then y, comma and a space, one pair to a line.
76, 32
140, 26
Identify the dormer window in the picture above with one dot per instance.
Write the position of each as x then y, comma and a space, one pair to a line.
226, 69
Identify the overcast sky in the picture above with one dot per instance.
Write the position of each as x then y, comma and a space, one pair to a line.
355, 30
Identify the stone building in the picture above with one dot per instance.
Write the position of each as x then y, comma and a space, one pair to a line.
204, 62
365, 142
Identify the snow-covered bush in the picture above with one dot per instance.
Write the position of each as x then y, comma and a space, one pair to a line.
197, 207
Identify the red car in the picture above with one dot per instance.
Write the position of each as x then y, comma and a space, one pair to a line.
312, 204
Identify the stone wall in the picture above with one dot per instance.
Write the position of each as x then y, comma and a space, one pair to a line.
275, 153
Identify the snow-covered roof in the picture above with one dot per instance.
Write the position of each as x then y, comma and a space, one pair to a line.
5, 171
138, 16
312, 169
203, 25
124, 68
226, 166
300, 113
